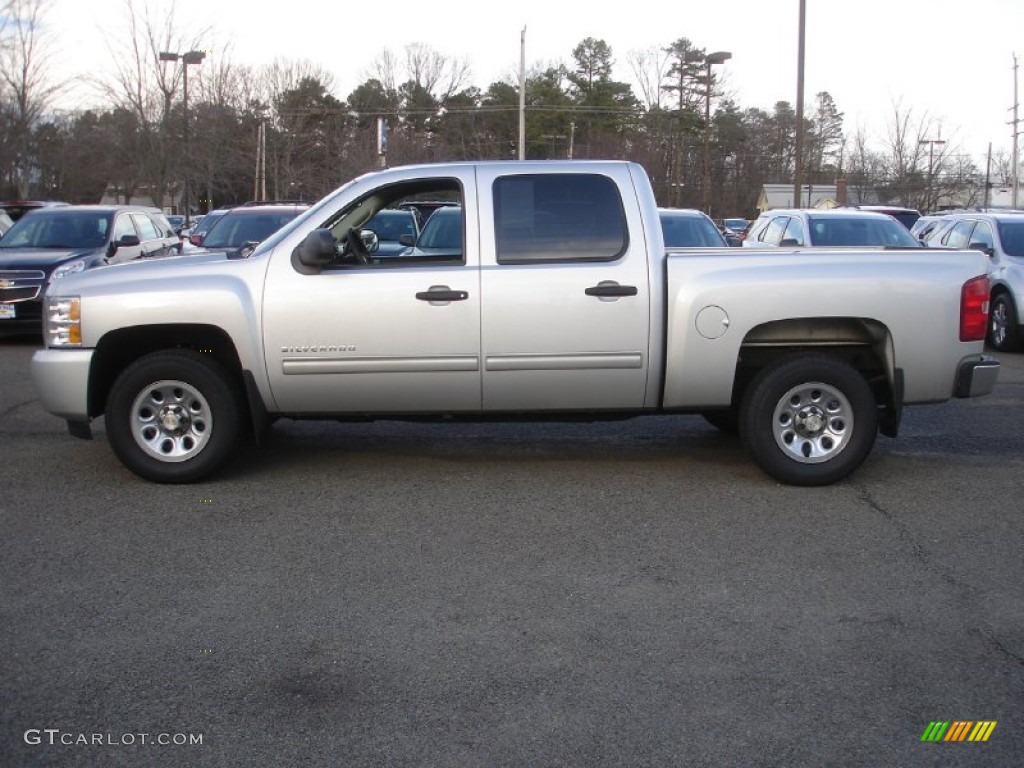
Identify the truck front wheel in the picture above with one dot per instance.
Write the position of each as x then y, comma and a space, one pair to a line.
809, 420
174, 416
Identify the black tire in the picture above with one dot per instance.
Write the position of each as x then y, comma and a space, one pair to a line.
727, 420
201, 409
1003, 328
809, 419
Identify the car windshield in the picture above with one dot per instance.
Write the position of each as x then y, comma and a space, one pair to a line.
442, 230
391, 225
235, 230
736, 224
205, 223
1011, 233
860, 230
61, 228
683, 231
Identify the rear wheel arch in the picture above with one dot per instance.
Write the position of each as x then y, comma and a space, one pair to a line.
864, 343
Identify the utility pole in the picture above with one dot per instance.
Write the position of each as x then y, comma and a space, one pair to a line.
1016, 134
931, 165
798, 162
988, 176
522, 95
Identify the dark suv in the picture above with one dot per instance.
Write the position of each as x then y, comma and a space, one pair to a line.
18, 208
51, 242
242, 228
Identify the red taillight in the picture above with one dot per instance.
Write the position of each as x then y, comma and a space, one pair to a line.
974, 309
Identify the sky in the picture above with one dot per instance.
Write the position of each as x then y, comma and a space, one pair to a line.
947, 61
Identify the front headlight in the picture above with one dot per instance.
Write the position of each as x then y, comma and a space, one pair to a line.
63, 321
67, 269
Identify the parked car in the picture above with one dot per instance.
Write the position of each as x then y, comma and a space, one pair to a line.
5, 223
246, 226
441, 237
926, 226
905, 216
205, 223
738, 227
57, 241
389, 226
828, 227
18, 208
689, 228
1001, 236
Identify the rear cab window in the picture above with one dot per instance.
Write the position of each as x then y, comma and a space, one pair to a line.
558, 218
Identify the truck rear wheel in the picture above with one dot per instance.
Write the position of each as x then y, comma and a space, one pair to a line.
174, 417
809, 420
1003, 333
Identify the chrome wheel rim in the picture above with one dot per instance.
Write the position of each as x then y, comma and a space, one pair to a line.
171, 421
999, 323
813, 423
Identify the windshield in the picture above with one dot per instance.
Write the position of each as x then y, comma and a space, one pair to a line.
860, 230
235, 230
391, 224
442, 230
682, 231
206, 222
59, 229
1011, 233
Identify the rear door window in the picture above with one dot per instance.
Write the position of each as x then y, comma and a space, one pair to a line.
557, 218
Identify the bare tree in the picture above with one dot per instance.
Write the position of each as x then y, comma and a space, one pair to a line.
144, 87
437, 74
25, 84
384, 70
650, 68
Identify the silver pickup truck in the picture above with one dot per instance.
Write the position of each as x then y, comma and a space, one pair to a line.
553, 295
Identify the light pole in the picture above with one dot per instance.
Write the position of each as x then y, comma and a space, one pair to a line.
718, 57
190, 57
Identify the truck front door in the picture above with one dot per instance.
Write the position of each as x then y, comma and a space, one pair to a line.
393, 334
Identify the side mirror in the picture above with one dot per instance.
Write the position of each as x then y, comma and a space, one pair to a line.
126, 241
789, 242
195, 239
986, 249
407, 240
317, 249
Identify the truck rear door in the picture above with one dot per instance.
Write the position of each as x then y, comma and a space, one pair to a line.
565, 299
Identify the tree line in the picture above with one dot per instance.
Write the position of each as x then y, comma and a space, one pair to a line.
134, 144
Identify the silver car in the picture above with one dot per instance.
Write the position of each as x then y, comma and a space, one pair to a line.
844, 227
1001, 236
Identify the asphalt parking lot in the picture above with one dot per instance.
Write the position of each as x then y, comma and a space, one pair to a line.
625, 593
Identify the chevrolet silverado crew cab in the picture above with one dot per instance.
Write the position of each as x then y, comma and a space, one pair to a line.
556, 298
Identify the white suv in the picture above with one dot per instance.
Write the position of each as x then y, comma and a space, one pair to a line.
1001, 236
789, 228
